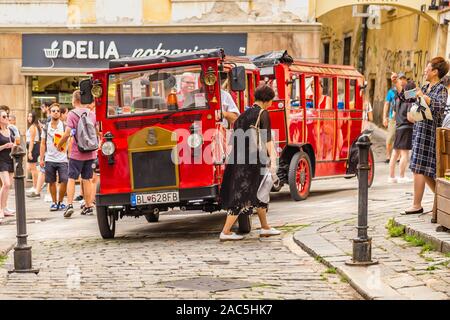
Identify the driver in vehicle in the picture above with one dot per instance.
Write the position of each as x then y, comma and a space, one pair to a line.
185, 95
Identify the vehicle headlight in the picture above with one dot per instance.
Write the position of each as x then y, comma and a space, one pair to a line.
195, 140
108, 148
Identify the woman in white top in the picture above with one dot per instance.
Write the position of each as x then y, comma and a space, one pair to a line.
33, 146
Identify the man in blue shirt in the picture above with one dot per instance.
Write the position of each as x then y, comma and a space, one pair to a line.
388, 113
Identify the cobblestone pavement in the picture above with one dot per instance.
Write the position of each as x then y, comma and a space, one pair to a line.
75, 263
185, 246
408, 270
139, 266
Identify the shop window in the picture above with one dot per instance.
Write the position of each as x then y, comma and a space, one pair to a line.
341, 94
326, 52
372, 91
347, 51
310, 93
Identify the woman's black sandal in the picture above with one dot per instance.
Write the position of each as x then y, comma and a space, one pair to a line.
420, 211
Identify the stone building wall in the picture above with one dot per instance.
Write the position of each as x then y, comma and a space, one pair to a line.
12, 83
269, 25
403, 41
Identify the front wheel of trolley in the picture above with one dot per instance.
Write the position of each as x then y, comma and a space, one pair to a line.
371, 162
245, 223
106, 219
152, 217
300, 176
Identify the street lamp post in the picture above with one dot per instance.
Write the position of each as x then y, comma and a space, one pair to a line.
22, 251
362, 244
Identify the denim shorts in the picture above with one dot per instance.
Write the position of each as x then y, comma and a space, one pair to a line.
83, 167
51, 168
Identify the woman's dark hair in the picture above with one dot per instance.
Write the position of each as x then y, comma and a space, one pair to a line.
410, 85
5, 108
441, 65
62, 109
35, 121
264, 93
54, 105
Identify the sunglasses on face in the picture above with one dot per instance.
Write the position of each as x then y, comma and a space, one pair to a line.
56, 111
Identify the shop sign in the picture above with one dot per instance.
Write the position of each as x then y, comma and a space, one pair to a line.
94, 51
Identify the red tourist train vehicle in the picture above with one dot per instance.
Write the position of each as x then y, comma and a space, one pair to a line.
163, 130
318, 112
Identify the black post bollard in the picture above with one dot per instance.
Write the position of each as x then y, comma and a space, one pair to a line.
22, 251
362, 245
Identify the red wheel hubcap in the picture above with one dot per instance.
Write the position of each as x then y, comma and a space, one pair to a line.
302, 177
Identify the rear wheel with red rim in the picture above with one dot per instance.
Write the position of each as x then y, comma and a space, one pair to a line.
300, 176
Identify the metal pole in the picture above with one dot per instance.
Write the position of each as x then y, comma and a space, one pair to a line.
22, 251
362, 245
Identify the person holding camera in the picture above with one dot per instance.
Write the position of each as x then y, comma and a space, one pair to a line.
423, 159
403, 131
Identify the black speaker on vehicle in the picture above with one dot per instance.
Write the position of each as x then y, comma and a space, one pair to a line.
85, 91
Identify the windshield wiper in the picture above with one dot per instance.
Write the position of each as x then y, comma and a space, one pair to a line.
183, 109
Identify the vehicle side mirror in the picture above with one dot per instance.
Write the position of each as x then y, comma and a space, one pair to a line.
86, 91
238, 79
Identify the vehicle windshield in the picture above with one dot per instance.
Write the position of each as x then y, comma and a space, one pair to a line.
156, 91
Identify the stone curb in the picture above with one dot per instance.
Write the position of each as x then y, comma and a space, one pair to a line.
5, 248
424, 230
359, 278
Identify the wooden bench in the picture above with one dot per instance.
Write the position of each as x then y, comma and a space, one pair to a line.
441, 214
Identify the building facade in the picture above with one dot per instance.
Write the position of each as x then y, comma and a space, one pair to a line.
399, 36
47, 46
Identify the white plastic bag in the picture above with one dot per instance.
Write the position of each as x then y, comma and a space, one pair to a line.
420, 112
265, 187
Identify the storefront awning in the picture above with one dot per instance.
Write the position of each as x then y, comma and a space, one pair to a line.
56, 71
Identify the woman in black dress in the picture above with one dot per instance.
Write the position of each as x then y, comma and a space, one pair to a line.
6, 163
246, 166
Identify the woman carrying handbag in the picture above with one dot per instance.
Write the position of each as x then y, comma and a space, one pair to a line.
246, 180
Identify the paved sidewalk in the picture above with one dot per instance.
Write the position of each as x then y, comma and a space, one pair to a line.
406, 270
422, 227
184, 246
139, 268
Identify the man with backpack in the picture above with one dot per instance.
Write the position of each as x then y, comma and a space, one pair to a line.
81, 126
54, 159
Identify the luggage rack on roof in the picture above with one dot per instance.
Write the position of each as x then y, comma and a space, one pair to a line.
272, 58
130, 62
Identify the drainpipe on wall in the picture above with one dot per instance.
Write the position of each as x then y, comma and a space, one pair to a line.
363, 43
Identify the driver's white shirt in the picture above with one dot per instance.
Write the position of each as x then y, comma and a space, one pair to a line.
228, 105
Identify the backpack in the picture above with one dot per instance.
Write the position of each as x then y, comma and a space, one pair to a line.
86, 133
